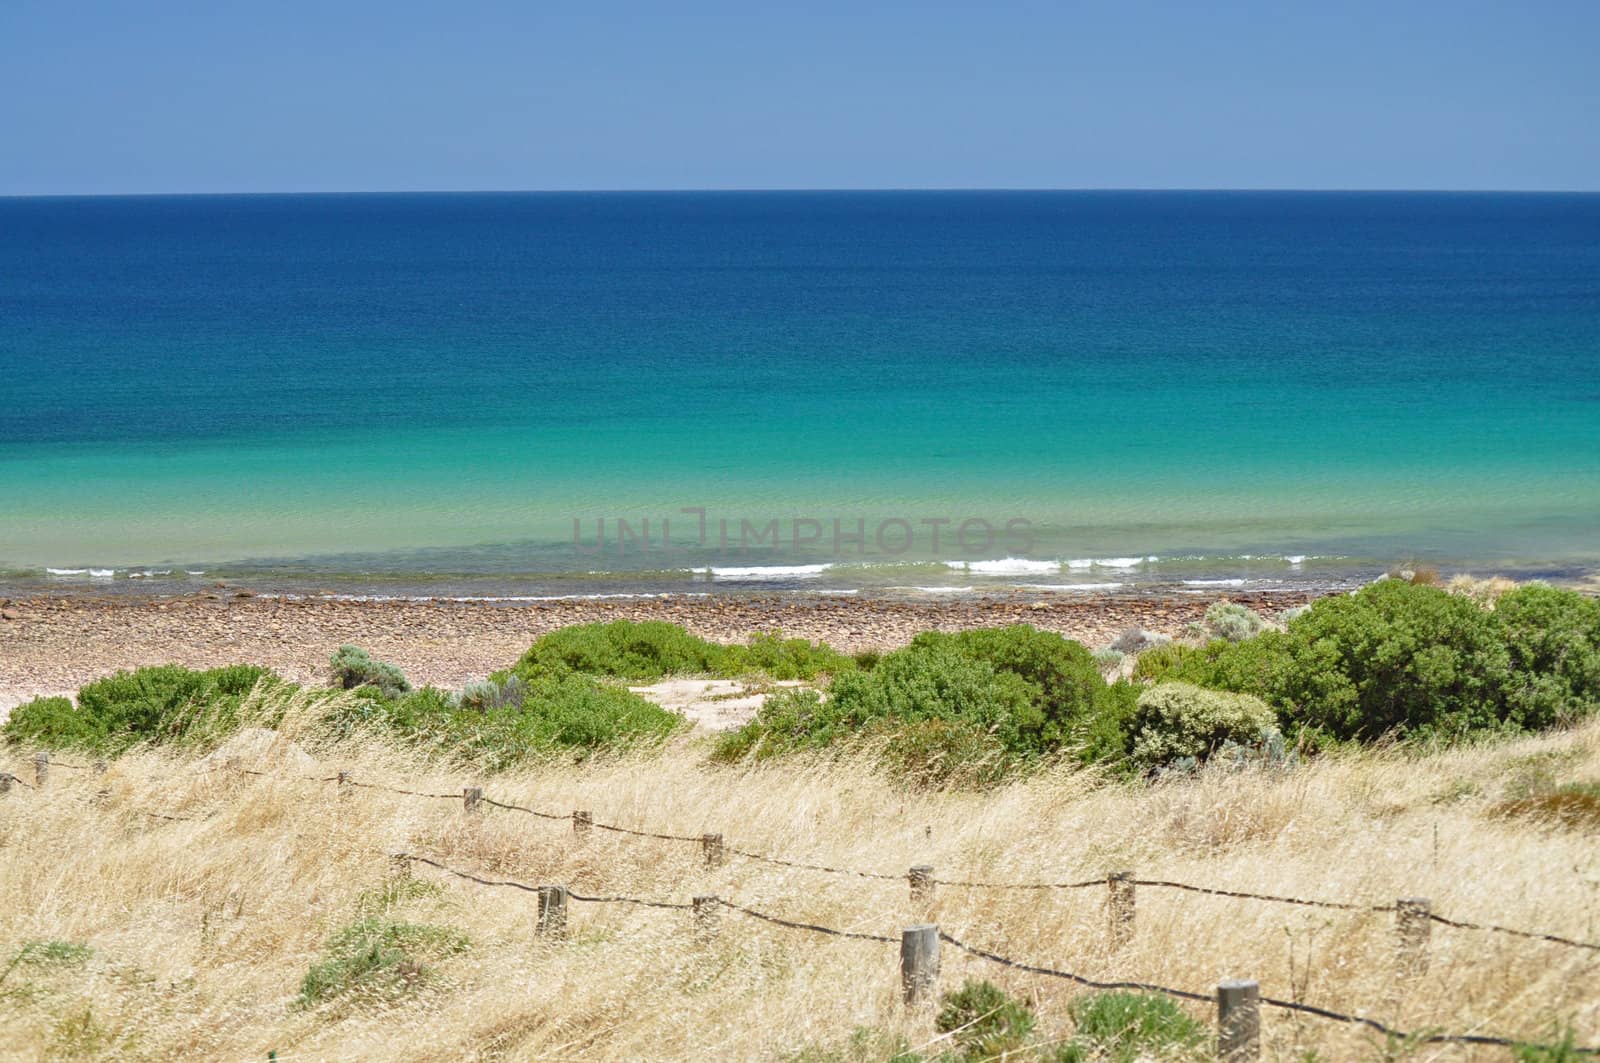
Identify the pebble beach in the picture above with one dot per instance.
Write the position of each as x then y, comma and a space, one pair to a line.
54, 644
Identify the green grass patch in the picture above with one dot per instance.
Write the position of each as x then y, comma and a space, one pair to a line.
377, 959
1122, 1027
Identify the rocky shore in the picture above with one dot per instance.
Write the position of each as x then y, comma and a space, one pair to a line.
51, 645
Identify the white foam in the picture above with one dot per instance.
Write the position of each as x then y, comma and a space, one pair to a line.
102, 573
1005, 566
1109, 562
936, 590
766, 572
1295, 559
67, 571
1213, 583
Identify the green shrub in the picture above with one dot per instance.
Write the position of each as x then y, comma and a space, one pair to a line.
652, 649
1108, 660
1177, 720
956, 709
572, 713
161, 704
1161, 662
354, 667
1553, 639
769, 653
377, 957
626, 649
1066, 691
984, 1021
52, 722
1409, 660
1231, 621
1395, 658
1124, 1027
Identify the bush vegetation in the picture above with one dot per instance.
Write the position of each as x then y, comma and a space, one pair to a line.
1398, 659
964, 707
161, 704
1178, 721
353, 667
1231, 621
652, 649
1410, 660
546, 715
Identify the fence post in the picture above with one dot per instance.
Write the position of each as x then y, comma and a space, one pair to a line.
552, 911
41, 769
919, 962
706, 916
399, 866
1119, 907
711, 846
1413, 927
470, 796
1238, 1021
581, 822
921, 878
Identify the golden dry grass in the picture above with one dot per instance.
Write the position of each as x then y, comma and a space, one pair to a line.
202, 930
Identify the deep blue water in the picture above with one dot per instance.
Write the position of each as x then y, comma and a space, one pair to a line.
409, 389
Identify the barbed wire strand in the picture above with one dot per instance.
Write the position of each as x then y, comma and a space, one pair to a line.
1530, 935
1051, 972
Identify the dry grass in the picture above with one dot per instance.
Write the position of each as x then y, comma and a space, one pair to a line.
202, 931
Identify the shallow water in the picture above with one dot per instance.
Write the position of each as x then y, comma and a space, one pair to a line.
450, 393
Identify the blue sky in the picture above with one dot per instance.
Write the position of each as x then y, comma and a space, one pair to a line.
217, 95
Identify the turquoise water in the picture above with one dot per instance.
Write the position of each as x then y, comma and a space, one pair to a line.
450, 393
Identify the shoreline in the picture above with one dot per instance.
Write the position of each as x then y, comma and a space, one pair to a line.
53, 644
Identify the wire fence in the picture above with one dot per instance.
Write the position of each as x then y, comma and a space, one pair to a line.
921, 879
472, 795
1329, 1014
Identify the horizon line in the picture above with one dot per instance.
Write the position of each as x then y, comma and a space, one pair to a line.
757, 190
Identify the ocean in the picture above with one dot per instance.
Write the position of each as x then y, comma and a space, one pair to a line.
546, 395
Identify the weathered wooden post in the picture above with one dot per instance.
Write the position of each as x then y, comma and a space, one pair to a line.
582, 821
919, 962
706, 916
1238, 1021
552, 911
41, 769
921, 878
1413, 928
471, 796
1119, 907
711, 846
